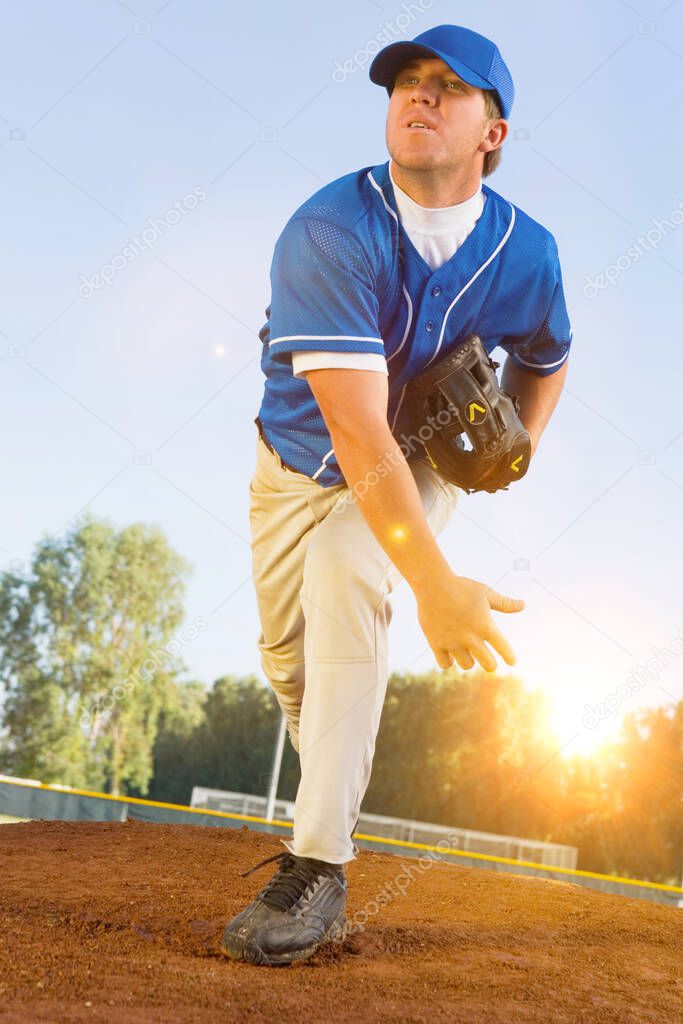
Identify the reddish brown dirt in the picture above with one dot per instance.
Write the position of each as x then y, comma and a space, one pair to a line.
121, 922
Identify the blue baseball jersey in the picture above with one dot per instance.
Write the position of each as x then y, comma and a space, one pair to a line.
345, 277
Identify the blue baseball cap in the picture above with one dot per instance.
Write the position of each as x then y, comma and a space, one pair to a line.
475, 58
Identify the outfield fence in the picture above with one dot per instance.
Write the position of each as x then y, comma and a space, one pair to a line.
403, 830
30, 800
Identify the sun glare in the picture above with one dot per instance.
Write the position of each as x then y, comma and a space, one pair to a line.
582, 722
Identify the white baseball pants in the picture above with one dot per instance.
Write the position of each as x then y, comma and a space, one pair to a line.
322, 583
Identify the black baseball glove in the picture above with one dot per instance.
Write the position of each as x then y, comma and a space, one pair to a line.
460, 397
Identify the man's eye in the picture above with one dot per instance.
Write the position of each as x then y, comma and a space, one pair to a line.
414, 78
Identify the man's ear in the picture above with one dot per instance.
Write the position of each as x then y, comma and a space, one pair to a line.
496, 135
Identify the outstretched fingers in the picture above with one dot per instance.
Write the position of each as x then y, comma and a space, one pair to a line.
460, 655
484, 657
463, 657
500, 644
443, 658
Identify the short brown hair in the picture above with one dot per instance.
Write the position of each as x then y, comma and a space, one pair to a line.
493, 112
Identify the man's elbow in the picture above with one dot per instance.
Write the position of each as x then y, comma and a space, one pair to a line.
361, 432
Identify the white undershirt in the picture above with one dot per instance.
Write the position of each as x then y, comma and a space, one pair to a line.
437, 234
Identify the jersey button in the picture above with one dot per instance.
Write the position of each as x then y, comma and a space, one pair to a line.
436, 290
429, 326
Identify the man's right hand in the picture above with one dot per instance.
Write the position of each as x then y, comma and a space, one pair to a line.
455, 616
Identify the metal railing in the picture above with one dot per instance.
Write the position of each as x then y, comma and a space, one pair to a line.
403, 830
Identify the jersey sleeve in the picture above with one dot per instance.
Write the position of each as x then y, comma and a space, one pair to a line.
302, 362
545, 349
323, 293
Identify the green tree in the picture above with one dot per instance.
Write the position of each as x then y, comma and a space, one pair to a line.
88, 655
229, 747
643, 782
471, 751
176, 748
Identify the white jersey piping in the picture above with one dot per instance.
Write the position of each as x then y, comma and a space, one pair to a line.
323, 464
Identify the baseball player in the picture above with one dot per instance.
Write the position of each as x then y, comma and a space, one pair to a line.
375, 279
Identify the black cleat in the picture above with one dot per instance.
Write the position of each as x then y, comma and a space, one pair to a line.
300, 909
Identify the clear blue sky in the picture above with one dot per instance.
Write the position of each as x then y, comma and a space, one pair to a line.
111, 112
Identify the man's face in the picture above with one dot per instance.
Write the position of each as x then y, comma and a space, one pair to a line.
454, 112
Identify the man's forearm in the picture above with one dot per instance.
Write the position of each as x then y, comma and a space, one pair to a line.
538, 396
382, 483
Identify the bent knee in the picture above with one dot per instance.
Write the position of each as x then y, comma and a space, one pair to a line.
283, 662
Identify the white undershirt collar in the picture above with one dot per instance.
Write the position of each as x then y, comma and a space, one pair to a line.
442, 220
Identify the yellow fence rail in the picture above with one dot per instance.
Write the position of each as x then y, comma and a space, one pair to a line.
382, 840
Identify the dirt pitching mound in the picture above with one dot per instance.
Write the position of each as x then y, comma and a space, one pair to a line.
122, 922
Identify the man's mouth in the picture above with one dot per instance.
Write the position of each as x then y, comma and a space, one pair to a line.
416, 125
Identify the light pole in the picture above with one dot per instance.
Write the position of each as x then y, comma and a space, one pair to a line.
275, 773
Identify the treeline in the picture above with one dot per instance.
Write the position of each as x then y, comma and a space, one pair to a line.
94, 695
472, 752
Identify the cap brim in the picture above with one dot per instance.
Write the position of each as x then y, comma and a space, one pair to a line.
388, 61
